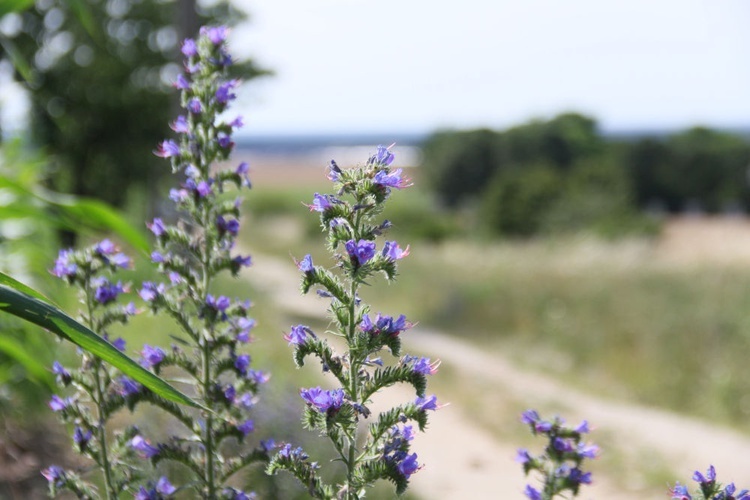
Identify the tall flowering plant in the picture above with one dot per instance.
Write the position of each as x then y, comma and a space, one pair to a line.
370, 448
99, 390
190, 254
709, 489
560, 466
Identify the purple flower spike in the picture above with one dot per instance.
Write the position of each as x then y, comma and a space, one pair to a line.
189, 48
152, 356
362, 251
167, 149
224, 92
298, 335
143, 447
108, 292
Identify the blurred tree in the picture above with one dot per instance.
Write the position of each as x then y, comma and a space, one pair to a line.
99, 73
696, 169
460, 165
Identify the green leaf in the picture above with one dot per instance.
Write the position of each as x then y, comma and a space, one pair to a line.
7, 280
19, 62
38, 311
8, 6
19, 353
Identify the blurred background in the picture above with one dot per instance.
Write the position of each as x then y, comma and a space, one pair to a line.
578, 224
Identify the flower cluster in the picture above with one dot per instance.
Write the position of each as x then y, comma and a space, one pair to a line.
709, 489
98, 390
382, 450
190, 254
560, 466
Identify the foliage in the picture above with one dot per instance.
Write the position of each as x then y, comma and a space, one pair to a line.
98, 74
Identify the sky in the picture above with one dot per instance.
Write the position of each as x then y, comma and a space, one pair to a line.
413, 66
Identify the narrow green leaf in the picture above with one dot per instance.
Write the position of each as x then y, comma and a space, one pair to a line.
37, 311
100, 216
8, 6
17, 351
19, 62
7, 280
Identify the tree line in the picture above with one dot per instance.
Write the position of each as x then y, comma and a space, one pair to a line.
564, 174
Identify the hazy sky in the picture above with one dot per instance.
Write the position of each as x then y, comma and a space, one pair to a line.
416, 65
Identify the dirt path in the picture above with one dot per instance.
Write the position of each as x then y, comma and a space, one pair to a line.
465, 461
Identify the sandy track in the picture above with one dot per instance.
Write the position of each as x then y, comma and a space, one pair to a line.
465, 461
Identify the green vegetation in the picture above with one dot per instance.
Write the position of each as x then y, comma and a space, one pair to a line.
562, 175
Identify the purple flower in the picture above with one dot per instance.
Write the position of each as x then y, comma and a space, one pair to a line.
321, 202
247, 400
120, 260
167, 149
202, 188
230, 393
392, 251
81, 438
680, 492
63, 266
143, 447
362, 251
164, 487
423, 366
306, 264
577, 476
424, 404
298, 453
323, 400
235, 494
242, 363
220, 303
587, 450
231, 226
383, 156
107, 292
391, 180
241, 261
157, 257
182, 83
180, 125
128, 387
385, 325
194, 105
522, 456
224, 92
408, 465
151, 291
242, 170
178, 195
298, 335
119, 344
583, 427
216, 34
246, 427
258, 376
105, 247
563, 445
709, 478
237, 122
244, 325
152, 356
530, 417
55, 475
59, 404
224, 140
63, 375
157, 227
189, 48
532, 493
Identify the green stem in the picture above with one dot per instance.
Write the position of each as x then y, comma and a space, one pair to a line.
353, 392
100, 414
